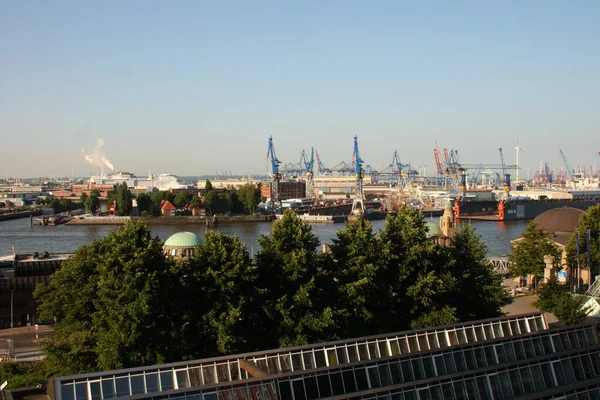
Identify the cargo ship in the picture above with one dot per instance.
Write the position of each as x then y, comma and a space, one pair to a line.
524, 206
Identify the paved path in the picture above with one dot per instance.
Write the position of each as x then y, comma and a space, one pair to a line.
26, 344
522, 305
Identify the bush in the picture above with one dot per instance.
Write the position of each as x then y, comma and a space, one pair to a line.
22, 374
555, 298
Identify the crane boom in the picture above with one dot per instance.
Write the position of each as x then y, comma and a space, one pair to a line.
570, 170
358, 205
502, 164
275, 171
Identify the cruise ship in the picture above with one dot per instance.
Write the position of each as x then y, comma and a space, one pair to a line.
160, 182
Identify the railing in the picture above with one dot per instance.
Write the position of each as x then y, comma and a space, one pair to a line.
501, 265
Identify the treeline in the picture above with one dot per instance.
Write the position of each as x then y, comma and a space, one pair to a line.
120, 302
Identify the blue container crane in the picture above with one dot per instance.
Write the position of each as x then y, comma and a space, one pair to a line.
276, 176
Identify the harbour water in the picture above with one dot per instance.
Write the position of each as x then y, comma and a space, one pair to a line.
23, 238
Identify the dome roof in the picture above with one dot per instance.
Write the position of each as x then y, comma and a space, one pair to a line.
183, 239
564, 219
433, 229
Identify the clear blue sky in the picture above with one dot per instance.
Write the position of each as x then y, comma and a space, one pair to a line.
193, 87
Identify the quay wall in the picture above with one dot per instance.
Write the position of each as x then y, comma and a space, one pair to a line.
22, 214
177, 220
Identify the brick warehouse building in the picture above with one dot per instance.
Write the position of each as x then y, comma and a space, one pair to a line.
287, 190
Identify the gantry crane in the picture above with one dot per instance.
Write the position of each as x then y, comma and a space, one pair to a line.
358, 204
276, 176
570, 170
309, 167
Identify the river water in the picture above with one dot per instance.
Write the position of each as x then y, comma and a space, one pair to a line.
24, 238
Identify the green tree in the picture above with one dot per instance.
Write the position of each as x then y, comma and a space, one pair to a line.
182, 199
208, 187
478, 292
555, 298
108, 301
123, 200
92, 203
528, 252
196, 202
144, 203
589, 221
296, 289
83, 198
222, 287
249, 197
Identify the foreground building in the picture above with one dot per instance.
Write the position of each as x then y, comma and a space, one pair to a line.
502, 358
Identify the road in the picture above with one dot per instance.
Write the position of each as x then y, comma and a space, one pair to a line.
26, 345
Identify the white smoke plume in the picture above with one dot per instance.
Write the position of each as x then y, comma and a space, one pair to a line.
98, 158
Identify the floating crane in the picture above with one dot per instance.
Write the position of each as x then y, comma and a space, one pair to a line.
358, 205
276, 176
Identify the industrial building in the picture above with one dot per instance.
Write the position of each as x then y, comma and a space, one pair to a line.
501, 358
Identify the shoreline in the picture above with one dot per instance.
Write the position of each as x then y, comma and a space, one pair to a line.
182, 220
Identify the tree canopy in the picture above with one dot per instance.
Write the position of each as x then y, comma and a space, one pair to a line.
589, 221
123, 200
528, 252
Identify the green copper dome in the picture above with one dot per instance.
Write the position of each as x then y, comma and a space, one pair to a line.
433, 229
183, 239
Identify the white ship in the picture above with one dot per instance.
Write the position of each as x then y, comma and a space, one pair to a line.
159, 182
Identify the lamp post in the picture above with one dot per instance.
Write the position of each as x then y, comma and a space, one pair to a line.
12, 292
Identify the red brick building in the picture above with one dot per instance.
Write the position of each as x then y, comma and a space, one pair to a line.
287, 190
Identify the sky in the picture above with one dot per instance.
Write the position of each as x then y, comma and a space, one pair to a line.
196, 87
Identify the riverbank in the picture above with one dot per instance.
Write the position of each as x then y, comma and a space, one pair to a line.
20, 214
179, 220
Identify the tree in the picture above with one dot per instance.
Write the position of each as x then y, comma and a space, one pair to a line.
123, 200
208, 187
249, 197
528, 252
556, 299
296, 288
196, 202
478, 291
182, 199
222, 286
83, 198
92, 203
108, 301
589, 221
144, 203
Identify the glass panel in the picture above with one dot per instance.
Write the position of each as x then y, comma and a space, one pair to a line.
497, 328
353, 353
442, 340
407, 372
309, 362
182, 378
364, 353
470, 359
209, 375
540, 323
67, 391
452, 335
396, 373
272, 365
137, 384
324, 385
403, 346
514, 327
341, 355
506, 330
297, 360
559, 373
510, 351
532, 325
539, 347
588, 369
423, 344
470, 335
489, 332
223, 371
459, 359
547, 343
194, 373
527, 379
432, 339
523, 325
108, 389
337, 384
361, 378
298, 389
414, 346
417, 366
595, 357
500, 353
394, 347
479, 333
95, 392
483, 388
583, 338
529, 350
449, 363
373, 350
461, 390
166, 380
312, 389
505, 384
538, 379
462, 336
122, 387
385, 375
331, 357
81, 391
448, 391
548, 375
515, 381
152, 382
440, 366
349, 381
428, 367
383, 348
490, 355
374, 380
471, 386
574, 339
480, 357
519, 350
320, 358
285, 390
